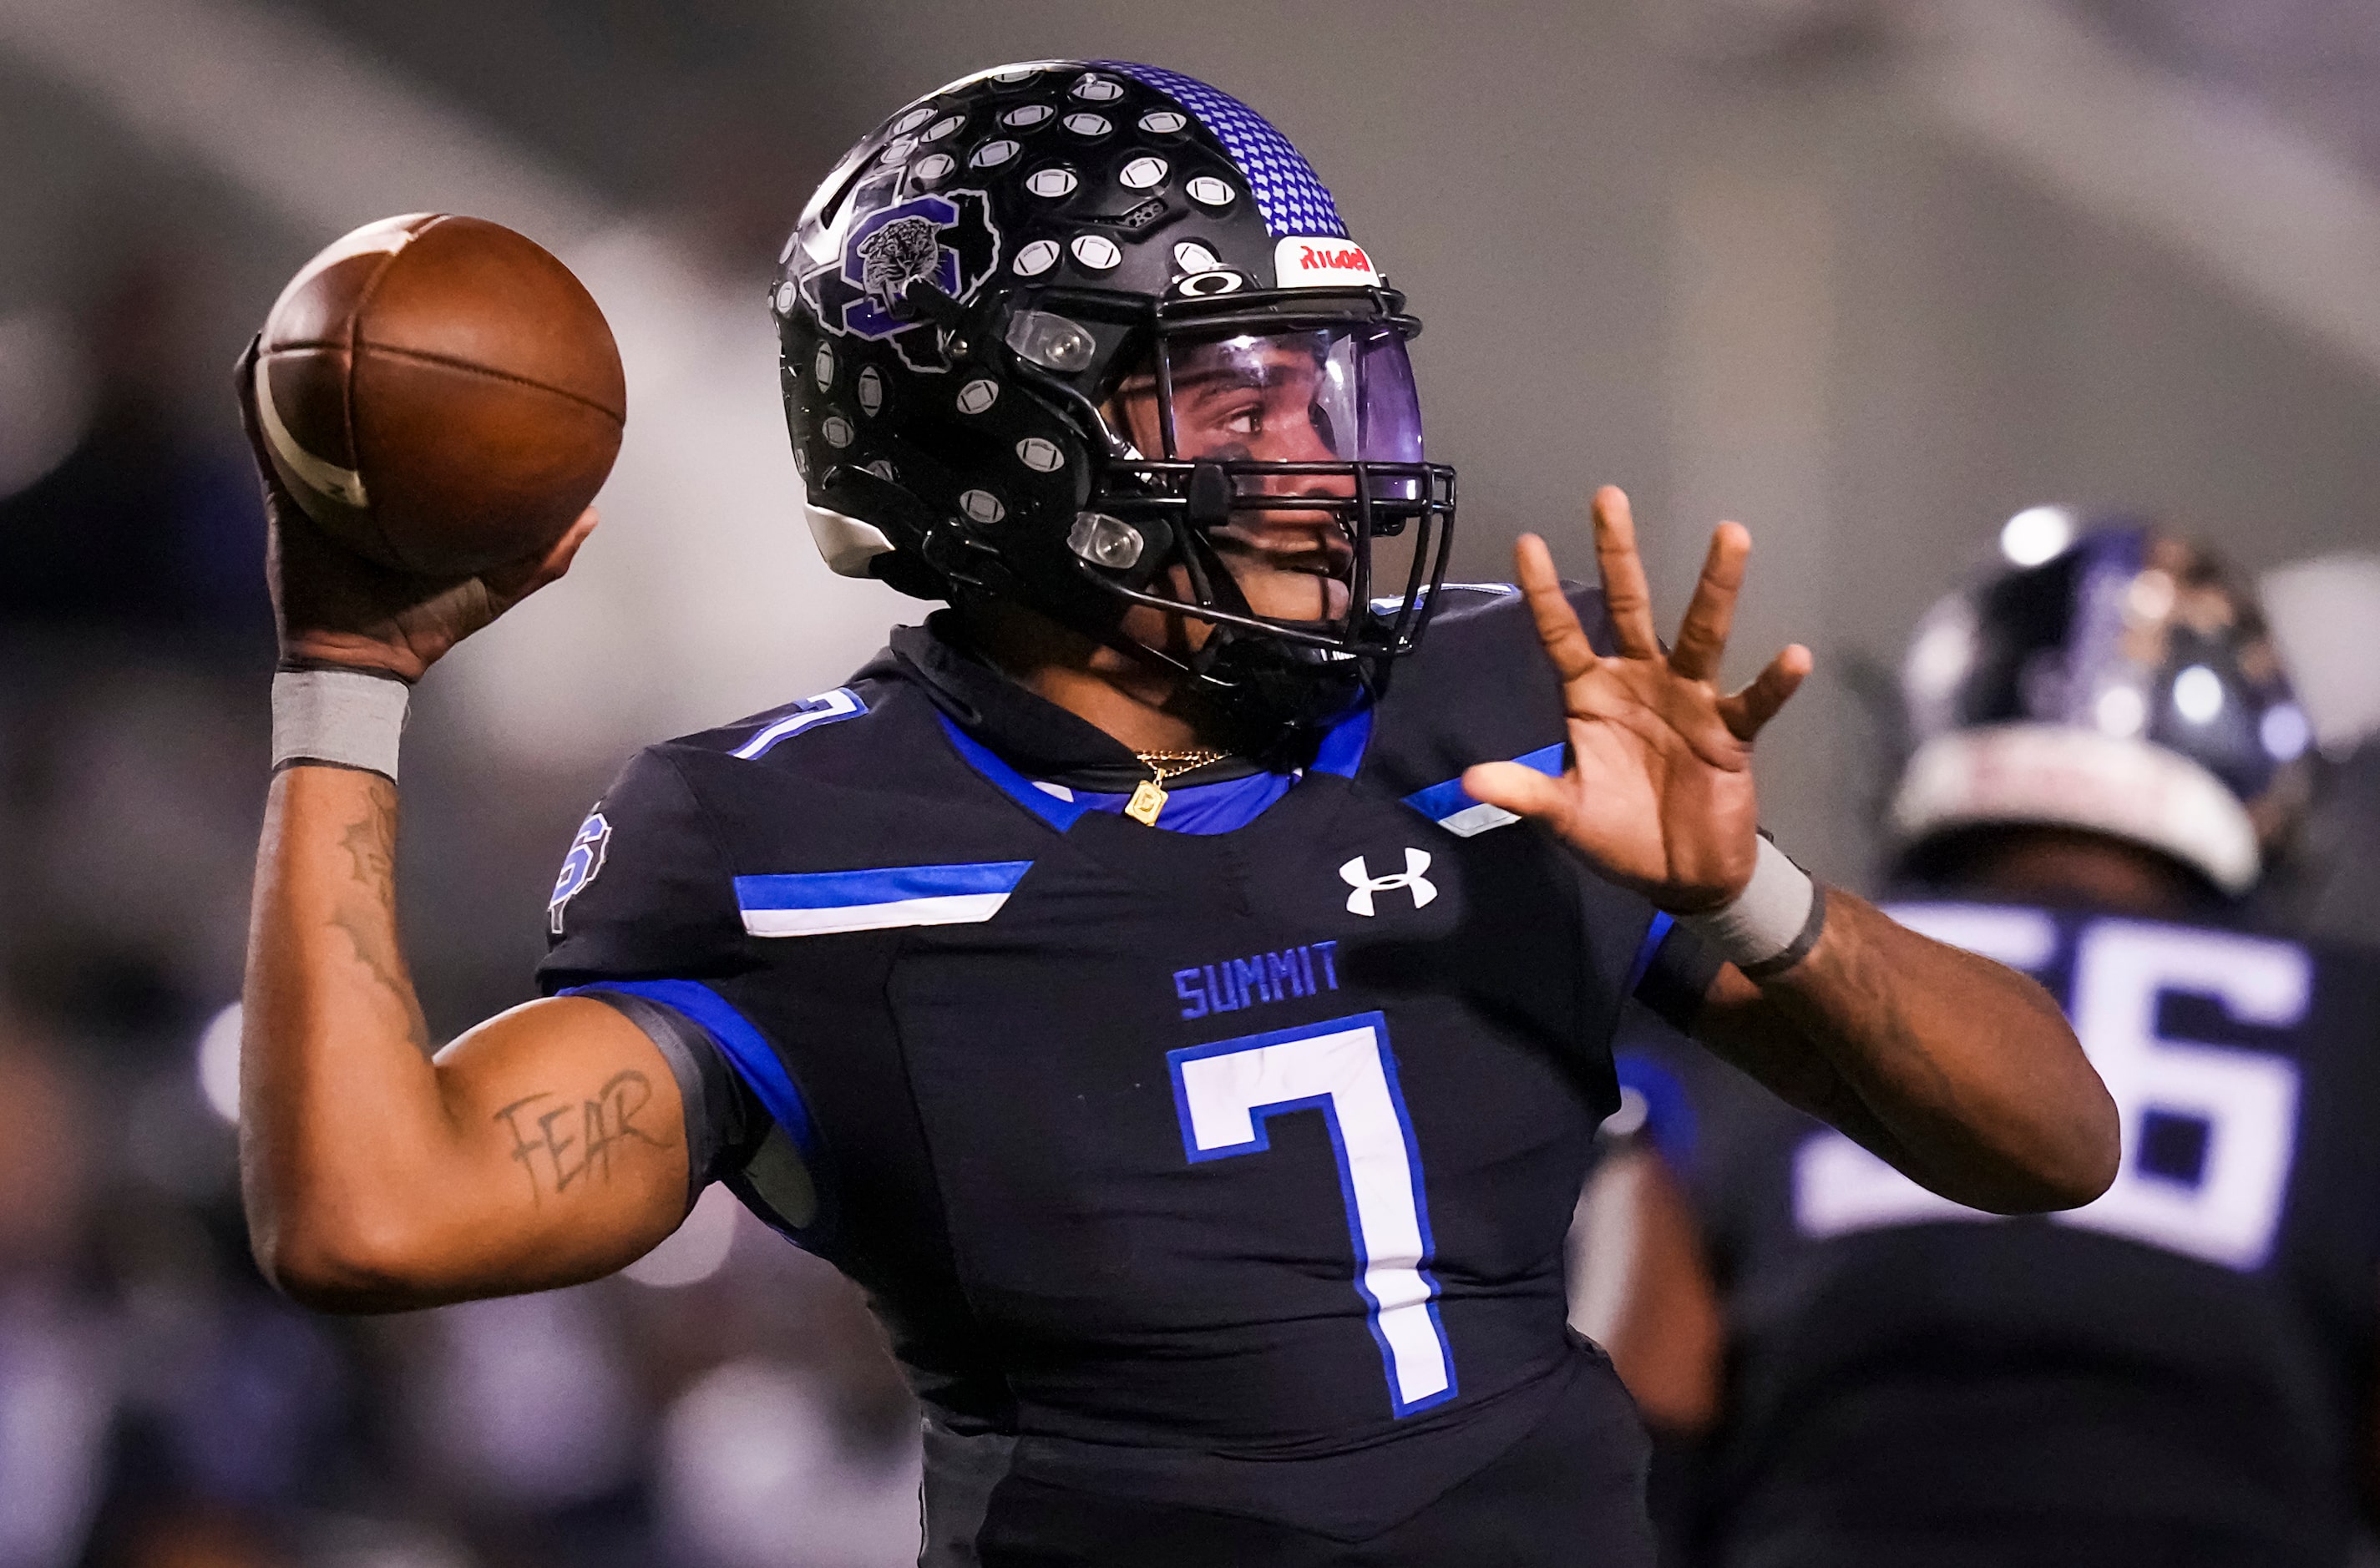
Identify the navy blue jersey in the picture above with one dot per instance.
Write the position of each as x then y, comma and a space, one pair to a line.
1221, 1166
2179, 1373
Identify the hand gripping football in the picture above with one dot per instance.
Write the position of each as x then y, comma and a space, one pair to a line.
440, 393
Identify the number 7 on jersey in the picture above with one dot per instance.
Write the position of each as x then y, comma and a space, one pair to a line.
1225, 1092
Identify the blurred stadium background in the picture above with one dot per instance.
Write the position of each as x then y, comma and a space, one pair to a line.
1873, 275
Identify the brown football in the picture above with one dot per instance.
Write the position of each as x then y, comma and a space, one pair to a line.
440, 393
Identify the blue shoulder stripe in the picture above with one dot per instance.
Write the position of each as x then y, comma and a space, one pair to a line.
738, 1039
1450, 808
820, 902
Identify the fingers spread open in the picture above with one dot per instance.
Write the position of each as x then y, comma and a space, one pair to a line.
1624, 588
1522, 791
1702, 637
1748, 709
1557, 626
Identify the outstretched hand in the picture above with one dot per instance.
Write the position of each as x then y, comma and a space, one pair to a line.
333, 606
1657, 792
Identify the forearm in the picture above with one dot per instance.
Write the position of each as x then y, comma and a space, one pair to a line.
339, 1102
1961, 1071
543, 1147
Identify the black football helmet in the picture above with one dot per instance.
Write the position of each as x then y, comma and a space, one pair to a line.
1051, 332
2115, 678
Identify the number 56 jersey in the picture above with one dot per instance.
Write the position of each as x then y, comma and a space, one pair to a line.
1222, 1164
2180, 1372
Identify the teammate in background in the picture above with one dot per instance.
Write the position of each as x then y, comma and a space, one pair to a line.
2323, 611
1165, 1015
2179, 1373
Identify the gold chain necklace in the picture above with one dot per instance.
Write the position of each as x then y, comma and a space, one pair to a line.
1150, 798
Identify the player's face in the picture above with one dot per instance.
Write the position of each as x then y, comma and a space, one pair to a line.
1267, 399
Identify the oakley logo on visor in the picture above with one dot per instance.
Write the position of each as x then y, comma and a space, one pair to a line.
1304, 261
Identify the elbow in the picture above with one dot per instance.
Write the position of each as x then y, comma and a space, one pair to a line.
2096, 1148
2087, 1144
2073, 1159
2055, 1140
343, 1264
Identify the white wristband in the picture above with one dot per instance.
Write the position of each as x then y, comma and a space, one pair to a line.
350, 718
1772, 923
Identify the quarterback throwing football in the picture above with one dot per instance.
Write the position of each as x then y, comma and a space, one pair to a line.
1178, 993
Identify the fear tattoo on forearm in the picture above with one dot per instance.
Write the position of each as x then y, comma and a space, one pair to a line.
558, 1143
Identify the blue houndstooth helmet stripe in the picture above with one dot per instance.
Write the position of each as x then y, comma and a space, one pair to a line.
1291, 200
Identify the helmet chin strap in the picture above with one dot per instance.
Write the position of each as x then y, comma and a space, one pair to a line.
1267, 686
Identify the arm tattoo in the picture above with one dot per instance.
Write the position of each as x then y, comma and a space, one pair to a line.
387, 966
371, 844
556, 1145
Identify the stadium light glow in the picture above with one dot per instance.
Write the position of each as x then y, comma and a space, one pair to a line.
2036, 534
2285, 732
219, 1063
2120, 712
2198, 694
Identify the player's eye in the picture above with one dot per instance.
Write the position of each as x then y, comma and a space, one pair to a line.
1244, 420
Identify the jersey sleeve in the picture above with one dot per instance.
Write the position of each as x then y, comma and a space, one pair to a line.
645, 892
1674, 969
725, 1122
642, 914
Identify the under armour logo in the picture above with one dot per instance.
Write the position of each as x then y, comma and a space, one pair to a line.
1355, 874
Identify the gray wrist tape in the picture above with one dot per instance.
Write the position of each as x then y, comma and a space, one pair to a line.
1772, 923
349, 718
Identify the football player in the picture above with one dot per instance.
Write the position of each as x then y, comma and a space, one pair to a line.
2179, 1373
1160, 1011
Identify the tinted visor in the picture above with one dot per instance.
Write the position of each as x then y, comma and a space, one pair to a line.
1325, 394
1294, 443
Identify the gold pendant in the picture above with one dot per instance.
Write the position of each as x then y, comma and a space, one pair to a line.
1146, 803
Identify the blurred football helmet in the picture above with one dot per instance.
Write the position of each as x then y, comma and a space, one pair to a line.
2121, 683
1052, 331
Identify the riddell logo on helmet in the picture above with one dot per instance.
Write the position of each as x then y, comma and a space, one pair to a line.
1313, 262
